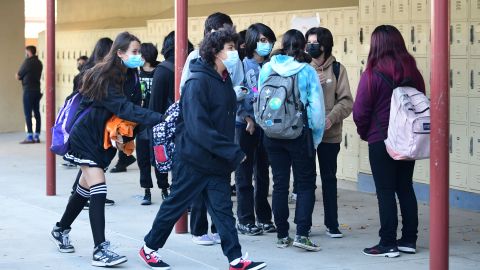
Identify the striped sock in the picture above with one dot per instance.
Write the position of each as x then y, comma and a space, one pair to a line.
98, 195
74, 207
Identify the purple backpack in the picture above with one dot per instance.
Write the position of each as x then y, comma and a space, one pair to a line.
64, 123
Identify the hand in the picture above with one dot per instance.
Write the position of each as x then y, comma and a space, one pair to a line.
250, 125
328, 124
323, 79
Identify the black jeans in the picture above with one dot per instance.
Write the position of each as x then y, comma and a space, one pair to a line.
187, 185
327, 154
252, 200
198, 218
31, 102
283, 155
145, 166
394, 177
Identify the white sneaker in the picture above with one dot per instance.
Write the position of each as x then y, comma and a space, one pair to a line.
216, 238
203, 240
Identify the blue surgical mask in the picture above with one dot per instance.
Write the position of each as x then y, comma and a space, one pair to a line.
134, 61
264, 49
231, 61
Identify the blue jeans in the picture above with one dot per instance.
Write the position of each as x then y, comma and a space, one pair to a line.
31, 102
283, 155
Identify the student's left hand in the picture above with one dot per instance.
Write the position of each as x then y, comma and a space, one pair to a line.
328, 124
250, 125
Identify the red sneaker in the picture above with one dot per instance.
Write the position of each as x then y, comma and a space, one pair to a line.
245, 264
153, 260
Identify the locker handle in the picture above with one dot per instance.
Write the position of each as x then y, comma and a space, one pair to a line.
361, 35
471, 146
451, 34
471, 80
451, 79
345, 46
471, 34
450, 143
412, 35
345, 142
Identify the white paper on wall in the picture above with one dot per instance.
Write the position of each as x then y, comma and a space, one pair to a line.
302, 24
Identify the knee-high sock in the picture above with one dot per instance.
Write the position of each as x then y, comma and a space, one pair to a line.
74, 207
98, 194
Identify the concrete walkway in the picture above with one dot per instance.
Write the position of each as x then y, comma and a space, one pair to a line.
27, 216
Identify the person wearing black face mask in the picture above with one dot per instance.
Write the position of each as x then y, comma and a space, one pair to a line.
338, 105
80, 64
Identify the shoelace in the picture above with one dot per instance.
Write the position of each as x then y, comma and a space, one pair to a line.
65, 239
107, 251
156, 256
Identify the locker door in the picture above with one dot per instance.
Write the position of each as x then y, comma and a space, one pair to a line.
458, 10
350, 167
423, 65
350, 21
475, 9
474, 110
353, 78
350, 50
473, 180
459, 143
474, 38
351, 140
401, 10
364, 161
420, 171
420, 35
338, 47
474, 78
458, 174
367, 11
383, 11
459, 39
458, 77
335, 22
459, 109
474, 145
365, 35
323, 15
420, 10
340, 165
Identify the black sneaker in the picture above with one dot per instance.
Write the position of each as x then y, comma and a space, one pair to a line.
334, 233
61, 239
410, 248
69, 165
249, 229
147, 199
118, 168
153, 260
109, 202
244, 264
267, 227
105, 257
165, 194
382, 251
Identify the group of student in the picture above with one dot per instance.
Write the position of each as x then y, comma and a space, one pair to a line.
218, 134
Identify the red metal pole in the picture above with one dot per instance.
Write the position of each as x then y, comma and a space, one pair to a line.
181, 49
50, 91
439, 160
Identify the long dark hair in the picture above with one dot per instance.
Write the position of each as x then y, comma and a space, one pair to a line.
108, 72
253, 36
101, 49
293, 44
324, 38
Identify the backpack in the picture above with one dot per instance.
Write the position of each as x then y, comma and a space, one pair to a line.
164, 139
409, 124
66, 119
279, 111
336, 69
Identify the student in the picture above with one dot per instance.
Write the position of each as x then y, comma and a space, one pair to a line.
102, 91
241, 44
297, 153
81, 61
205, 153
338, 105
259, 43
30, 73
388, 57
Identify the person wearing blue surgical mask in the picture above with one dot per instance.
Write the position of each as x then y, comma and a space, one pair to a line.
254, 212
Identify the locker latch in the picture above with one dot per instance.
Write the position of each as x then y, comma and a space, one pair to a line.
451, 79
361, 35
345, 46
450, 143
471, 80
451, 34
471, 35
471, 146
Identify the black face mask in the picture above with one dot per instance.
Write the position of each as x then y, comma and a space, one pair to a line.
80, 67
314, 50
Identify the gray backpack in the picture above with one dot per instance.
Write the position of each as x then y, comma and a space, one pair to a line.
279, 111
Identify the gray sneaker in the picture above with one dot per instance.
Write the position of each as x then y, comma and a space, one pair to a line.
284, 242
305, 243
61, 239
103, 256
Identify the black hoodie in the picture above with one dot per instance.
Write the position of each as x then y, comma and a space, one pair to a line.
205, 133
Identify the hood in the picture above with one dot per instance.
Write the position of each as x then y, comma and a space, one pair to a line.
285, 65
326, 64
198, 65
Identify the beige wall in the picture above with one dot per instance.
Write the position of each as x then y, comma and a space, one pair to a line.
12, 54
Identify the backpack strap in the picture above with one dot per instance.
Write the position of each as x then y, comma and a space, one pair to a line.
336, 69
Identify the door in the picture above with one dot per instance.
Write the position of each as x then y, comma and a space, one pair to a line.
420, 10
474, 110
367, 11
458, 77
383, 11
474, 38
458, 10
475, 9
350, 50
459, 143
335, 22
420, 35
421, 170
351, 140
459, 39
459, 109
401, 10
474, 77
474, 145
458, 174
350, 21
365, 35
350, 167
473, 180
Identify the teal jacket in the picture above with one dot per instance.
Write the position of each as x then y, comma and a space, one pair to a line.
311, 91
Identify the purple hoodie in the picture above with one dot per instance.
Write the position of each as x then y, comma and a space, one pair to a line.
376, 101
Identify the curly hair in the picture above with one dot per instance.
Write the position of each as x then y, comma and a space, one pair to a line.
214, 42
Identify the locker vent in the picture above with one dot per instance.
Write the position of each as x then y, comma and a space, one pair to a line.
401, 7
419, 7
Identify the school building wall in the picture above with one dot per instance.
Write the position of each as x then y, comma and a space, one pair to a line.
12, 53
351, 23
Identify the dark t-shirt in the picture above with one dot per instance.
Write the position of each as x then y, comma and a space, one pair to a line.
30, 73
146, 81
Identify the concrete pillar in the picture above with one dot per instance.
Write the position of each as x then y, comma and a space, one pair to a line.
12, 53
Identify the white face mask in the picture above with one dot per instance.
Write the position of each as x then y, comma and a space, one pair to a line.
231, 61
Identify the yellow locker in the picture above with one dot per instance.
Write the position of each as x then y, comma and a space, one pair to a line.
420, 10
474, 110
364, 161
337, 50
367, 11
350, 167
365, 35
474, 78
350, 50
458, 10
474, 39
351, 140
323, 17
420, 35
401, 10
459, 39
350, 21
459, 109
423, 65
459, 143
474, 145
421, 170
353, 74
458, 77
335, 22
458, 174
383, 10
473, 180
475, 9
